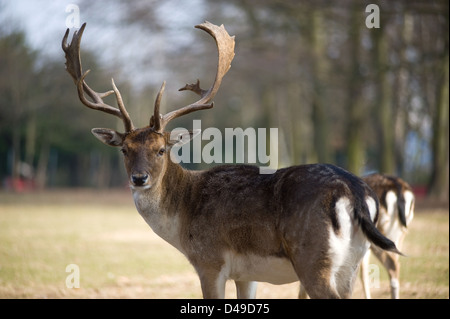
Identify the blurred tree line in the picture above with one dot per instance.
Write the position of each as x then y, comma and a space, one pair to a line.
367, 99
44, 136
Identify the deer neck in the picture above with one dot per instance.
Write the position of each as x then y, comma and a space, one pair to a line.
162, 206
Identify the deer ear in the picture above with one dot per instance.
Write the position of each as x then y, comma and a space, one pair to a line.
179, 137
107, 136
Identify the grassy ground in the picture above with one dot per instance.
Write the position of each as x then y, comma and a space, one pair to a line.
120, 257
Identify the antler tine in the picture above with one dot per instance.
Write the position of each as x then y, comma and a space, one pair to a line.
225, 48
155, 120
73, 66
123, 111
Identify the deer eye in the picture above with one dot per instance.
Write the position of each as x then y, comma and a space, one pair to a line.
161, 152
124, 151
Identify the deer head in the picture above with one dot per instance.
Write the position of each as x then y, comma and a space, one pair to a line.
146, 149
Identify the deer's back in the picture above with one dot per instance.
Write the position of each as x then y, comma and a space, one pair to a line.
251, 212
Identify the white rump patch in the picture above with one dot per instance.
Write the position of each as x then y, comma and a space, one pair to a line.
390, 224
391, 202
372, 207
348, 247
409, 206
339, 244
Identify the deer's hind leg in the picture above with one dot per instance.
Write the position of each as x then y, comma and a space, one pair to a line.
312, 263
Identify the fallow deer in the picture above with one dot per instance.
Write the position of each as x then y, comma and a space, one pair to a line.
396, 213
312, 223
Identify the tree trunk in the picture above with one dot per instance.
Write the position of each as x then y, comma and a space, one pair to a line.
41, 172
319, 112
30, 142
383, 104
355, 150
439, 183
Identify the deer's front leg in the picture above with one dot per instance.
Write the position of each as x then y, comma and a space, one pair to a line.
246, 289
212, 283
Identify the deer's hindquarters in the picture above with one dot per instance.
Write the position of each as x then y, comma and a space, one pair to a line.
327, 258
347, 247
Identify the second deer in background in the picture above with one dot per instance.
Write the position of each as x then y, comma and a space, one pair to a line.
396, 213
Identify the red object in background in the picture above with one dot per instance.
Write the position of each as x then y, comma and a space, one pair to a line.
419, 191
20, 184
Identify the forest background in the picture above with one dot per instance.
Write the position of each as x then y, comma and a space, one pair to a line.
367, 99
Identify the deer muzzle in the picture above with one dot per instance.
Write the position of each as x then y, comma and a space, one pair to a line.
140, 180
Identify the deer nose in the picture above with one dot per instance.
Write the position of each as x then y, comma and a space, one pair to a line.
139, 179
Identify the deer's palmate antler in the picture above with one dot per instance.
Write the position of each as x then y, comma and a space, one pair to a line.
225, 47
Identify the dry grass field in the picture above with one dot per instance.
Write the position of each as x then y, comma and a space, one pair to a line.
120, 257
